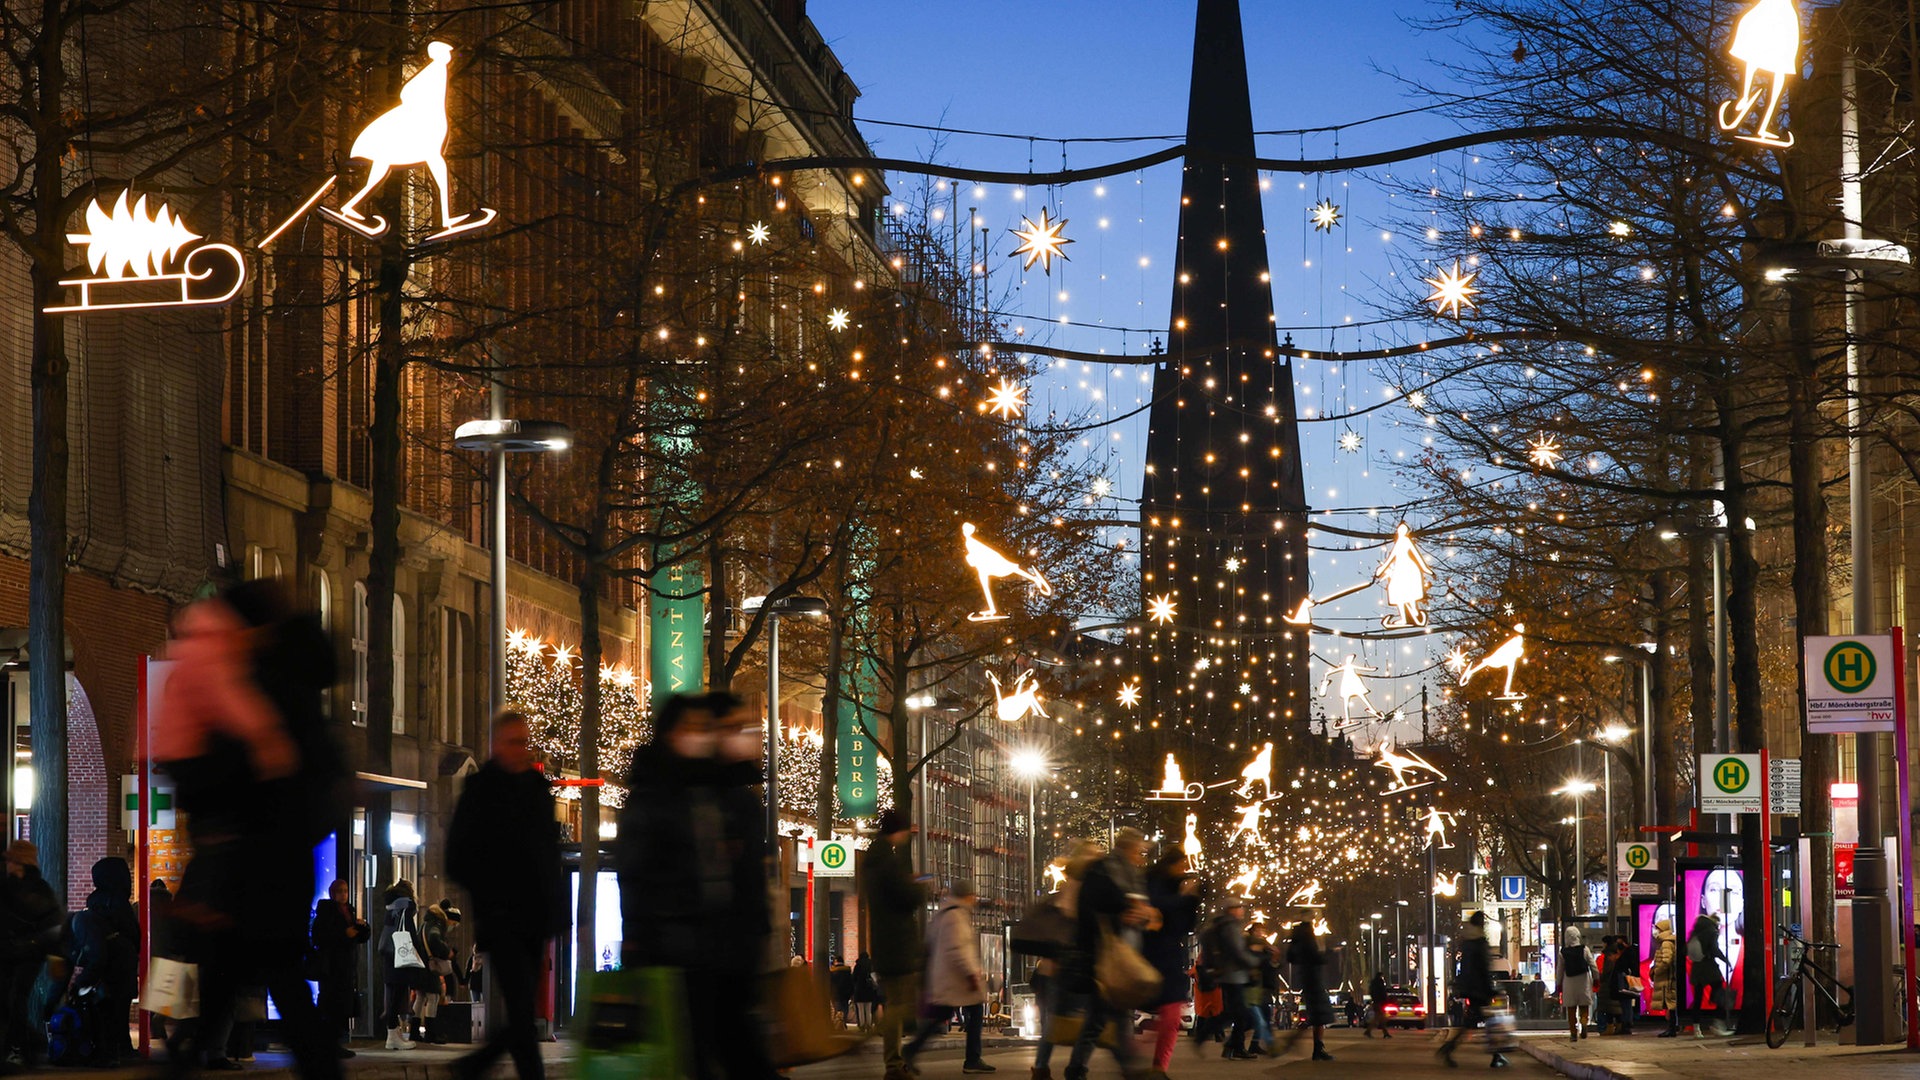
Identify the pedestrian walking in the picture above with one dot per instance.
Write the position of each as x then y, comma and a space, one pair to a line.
1706, 976
1310, 979
402, 962
106, 956
1666, 976
504, 849
693, 874
1618, 991
1377, 1003
866, 993
1235, 970
1475, 988
894, 898
443, 976
1576, 983
338, 933
1112, 903
1051, 992
1174, 892
955, 979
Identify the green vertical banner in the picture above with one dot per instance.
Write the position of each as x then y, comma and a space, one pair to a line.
855, 756
677, 629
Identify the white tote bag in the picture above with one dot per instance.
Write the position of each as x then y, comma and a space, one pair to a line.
172, 990
404, 954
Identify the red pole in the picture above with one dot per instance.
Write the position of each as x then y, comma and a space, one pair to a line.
1766, 873
808, 946
142, 854
1899, 638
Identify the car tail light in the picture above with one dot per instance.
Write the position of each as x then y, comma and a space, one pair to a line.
1392, 1009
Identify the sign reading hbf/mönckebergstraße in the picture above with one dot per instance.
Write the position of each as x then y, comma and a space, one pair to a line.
1730, 784
1849, 683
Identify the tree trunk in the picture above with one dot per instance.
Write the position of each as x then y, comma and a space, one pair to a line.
592, 650
383, 560
47, 525
1750, 732
823, 815
1810, 603
1666, 771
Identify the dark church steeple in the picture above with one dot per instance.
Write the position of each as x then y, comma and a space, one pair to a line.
1224, 506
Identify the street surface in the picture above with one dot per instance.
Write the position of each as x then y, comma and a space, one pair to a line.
1407, 1054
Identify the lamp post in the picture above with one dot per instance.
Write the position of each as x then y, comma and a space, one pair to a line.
1030, 765
809, 607
1649, 811
1579, 789
920, 703
497, 437
1611, 735
1399, 946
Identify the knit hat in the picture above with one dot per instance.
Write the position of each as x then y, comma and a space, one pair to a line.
893, 821
962, 888
24, 852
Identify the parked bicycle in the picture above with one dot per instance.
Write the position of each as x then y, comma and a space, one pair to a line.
1787, 999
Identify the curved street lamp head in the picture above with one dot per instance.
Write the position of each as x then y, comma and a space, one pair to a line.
513, 436
808, 606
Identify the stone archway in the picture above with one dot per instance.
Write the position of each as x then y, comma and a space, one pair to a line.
89, 800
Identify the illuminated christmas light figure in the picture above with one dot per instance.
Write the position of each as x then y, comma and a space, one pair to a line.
1446, 884
1056, 877
1260, 771
1767, 38
1404, 573
1024, 701
990, 564
1352, 686
1438, 822
1248, 825
1508, 656
133, 245
1307, 896
1403, 765
1190, 846
1244, 885
1174, 787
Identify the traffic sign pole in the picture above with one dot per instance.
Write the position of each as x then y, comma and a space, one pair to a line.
810, 864
1906, 829
1766, 873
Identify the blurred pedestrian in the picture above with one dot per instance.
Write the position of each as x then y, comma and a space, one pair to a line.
693, 873
1234, 969
403, 954
1619, 992
894, 897
1310, 978
243, 733
955, 979
1052, 997
1174, 892
338, 933
503, 847
1706, 977
1474, 987
30, 929
1113, 901
106, 956
1665, 973
1377, 1004
840, 978
866, 993
443, 978
1576, 983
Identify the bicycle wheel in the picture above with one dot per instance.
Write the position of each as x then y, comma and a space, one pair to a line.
1785, 1015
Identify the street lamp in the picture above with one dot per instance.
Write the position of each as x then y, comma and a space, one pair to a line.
1579, 789
1648, 811
497, 437
1399, 946
1030, 764
1611, 735
806, 607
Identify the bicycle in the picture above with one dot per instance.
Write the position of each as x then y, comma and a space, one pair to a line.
1786, 1013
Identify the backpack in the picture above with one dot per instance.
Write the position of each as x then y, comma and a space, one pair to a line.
1573, 960
1695, 954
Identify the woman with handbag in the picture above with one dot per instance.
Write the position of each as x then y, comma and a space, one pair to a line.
436, 929
1704, 974
1111, 911
955, 979
1175, 895
337, 933
402, 961
1052, 996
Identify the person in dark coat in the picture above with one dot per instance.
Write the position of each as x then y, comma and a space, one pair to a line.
1310, 979
1474, 986
400, 982
692, 866
1707, 976
1175, 895
503, 847
106, 954
1377, 1004
30, 928
1236, 969
895, 899
337, 934
866, 992
1113, 900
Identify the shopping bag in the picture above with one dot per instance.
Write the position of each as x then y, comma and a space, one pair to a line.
1046, 931
635, 1024
404, 954
799, 1020
1635, 985
1063, 1029
1124, 978
172, 990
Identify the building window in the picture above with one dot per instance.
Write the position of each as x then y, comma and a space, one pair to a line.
253, 568
360, 653
453, 663
323, 608
399, 666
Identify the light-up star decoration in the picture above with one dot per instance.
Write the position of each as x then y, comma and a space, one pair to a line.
991, 565
1438, 822
1544, 451
839, 319
1161, 608
1258, 771
1324, 215
1024, 701
1041, 242
1352, 688
1249, 825
1457, 660
1508, 656
1350, 441
1130, 695
1007, 400
130, 250
1446, 884
414, 132
1452, 291
1767, 38
1233, 564
1405, 764
1175, 787
757, 233
1243, 885
1307, 896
